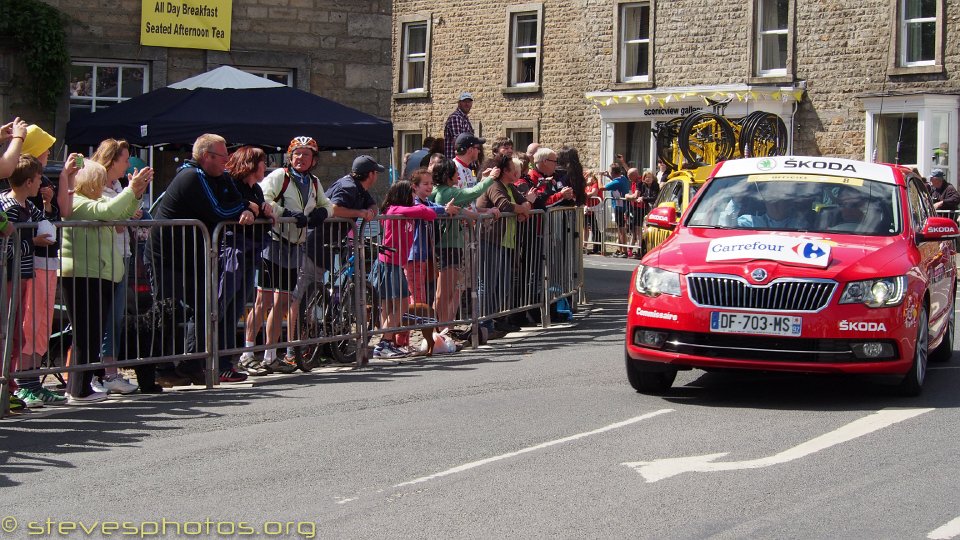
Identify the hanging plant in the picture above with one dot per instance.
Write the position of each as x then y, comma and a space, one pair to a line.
36, 30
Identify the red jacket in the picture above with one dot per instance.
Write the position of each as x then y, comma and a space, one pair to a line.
547, 192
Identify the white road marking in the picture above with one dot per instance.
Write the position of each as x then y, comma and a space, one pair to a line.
653, 471
541, 446
950, 530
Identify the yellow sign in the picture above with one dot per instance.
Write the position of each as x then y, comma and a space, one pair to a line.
189, 24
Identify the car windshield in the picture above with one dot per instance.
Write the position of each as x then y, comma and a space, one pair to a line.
810, 203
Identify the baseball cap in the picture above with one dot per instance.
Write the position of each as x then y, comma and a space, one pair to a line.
938, 173
465, 95
365, 164
37, 141
466, 140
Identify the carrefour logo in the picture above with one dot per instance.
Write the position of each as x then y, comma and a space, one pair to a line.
809, 250
766, 164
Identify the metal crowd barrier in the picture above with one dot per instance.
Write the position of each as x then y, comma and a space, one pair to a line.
189, 293
163, 295
607, 218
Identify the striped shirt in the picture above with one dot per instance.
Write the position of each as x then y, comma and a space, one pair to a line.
23, 214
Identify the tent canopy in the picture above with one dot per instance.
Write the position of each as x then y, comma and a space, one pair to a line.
241, 107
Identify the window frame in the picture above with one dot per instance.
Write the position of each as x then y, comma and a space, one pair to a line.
521, 126
509, 82
932, 110
263, 72
622, 42
400, 134
897, 64
784, 75
75, 101
403, 24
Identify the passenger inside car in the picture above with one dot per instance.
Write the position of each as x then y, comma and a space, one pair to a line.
855, 212
782, 209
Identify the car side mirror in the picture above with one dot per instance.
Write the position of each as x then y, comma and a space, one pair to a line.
663, 216
938, 228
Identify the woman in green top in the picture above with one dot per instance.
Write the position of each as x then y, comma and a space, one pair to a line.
92, 266
450, 242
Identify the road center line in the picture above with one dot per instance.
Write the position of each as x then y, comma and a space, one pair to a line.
541, 446
945, 532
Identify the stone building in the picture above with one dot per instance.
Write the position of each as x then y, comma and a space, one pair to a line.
850, 79
339, 50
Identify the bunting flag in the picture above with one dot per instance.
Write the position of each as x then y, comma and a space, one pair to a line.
647, 98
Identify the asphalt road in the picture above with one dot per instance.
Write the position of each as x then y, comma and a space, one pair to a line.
538, 436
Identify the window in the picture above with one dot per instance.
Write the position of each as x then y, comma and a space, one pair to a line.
523, 64
633, 140
282, 76
918, 32
773, 31
635, 32
916, 131
97, 85
896, 138
414, 62
521, 137
410, 141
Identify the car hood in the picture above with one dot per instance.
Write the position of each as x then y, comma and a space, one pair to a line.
724, 251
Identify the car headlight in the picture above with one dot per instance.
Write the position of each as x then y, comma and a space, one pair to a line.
653, 281
882, 292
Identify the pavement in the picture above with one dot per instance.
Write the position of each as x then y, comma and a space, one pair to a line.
535, 435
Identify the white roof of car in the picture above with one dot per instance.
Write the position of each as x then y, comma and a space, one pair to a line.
808, 165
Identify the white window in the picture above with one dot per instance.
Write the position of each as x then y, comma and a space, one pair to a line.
635, 42
916, 131
524, 49
410, 141
918, 32
414, 63
282, 76
521, 137
773, 21
97, 85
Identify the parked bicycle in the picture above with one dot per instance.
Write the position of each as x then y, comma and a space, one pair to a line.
332, 308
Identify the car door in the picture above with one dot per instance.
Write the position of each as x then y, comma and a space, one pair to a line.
936, 258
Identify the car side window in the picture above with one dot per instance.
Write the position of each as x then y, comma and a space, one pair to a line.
918, 211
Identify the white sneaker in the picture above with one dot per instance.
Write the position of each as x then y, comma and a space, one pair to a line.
118, 385
92, 398
246, 359
97, 386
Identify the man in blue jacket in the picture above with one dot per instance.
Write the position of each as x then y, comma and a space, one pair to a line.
201, 190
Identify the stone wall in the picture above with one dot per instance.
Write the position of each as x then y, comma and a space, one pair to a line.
338, 49
841, 51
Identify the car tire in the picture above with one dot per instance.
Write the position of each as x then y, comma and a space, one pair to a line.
944, 350
912, 383
647, 381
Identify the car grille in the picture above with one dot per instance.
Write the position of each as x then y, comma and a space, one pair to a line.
779, 295
767, 348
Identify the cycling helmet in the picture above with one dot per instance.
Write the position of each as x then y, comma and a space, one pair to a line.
303, 142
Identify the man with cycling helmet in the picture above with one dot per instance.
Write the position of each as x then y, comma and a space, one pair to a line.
292, 191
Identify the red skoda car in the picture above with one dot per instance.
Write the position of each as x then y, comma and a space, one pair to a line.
816, 265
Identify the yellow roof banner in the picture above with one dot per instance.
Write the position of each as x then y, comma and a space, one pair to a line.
189, 24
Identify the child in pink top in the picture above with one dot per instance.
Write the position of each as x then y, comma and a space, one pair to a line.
387, 273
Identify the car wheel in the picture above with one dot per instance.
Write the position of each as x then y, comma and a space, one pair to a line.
944, 351
912, 383
647, 381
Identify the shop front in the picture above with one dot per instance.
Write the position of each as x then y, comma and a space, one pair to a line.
628, 118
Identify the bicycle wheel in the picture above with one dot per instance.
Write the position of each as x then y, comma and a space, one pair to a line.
764, 135
344, 321
706, 138
666, 134
313, 323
